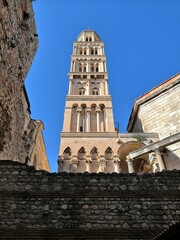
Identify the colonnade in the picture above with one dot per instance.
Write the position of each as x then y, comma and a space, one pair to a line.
91, 119
102, 164
156, 158
88, 66
88, 50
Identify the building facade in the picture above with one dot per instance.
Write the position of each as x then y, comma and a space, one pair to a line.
159, 111
89, 140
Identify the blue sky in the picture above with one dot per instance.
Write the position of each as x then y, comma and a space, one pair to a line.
142, 45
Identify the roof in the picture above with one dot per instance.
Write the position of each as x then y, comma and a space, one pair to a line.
89, 31
164, 86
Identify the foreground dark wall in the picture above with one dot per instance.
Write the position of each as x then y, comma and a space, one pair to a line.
39, 205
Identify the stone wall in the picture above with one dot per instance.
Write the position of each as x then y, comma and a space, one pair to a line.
158, 111
18, 45
39, 205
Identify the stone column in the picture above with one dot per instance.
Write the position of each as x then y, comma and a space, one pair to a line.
88, 165
87, 87
70, 87
159, 159
117, 165
71, 66
78, 120
73, 164
105, 121
74, 66
106, 87
102, 165
98, 112
88, 111
60, 163
130, 164
88, 66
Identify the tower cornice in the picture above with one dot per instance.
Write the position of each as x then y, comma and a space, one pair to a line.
88, 98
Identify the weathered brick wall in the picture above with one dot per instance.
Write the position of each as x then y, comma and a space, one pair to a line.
40, 205
18, 45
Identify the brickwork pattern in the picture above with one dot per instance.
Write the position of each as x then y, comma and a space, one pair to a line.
40, 205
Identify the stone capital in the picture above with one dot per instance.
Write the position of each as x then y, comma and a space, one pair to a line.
129, 160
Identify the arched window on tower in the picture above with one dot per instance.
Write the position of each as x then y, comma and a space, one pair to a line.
97, 68
80, 67
74, 118
96, 52
108, 153
84, 68
82, 153
80, 50
92, 51
95, 91
90, 39
92, 67
86, 39
67, 153
94, 153
82, 91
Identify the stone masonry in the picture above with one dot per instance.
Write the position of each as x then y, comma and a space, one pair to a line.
41, 205
159, 111
18, 45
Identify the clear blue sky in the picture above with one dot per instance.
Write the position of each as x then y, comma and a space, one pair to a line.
142, 45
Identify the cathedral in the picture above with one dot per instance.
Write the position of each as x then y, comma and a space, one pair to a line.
36, 204
89, 140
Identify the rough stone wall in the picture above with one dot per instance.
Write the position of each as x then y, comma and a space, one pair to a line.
18, 45
40, 205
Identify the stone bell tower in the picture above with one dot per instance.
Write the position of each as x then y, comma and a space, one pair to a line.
88, 118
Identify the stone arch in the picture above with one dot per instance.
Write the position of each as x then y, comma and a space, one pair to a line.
82, 153
94, 153
95, 91
108, 153
67, 153
82, 91
123, 152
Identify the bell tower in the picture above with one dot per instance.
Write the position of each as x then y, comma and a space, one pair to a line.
88, 117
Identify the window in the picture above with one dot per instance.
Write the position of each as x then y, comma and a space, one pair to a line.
67, 153
108, 153
81, 153
94, 153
